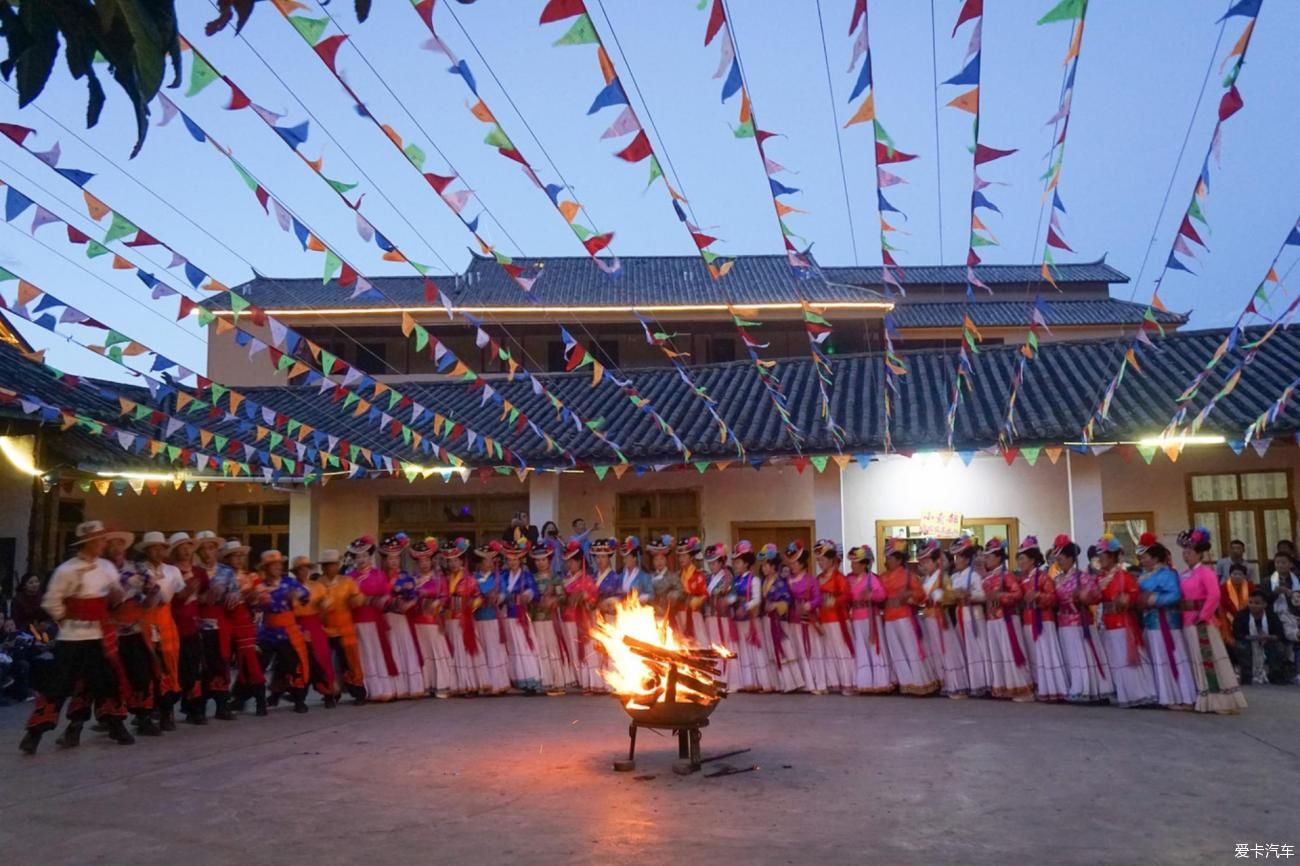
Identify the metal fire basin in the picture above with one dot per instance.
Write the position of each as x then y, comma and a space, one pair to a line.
683, 718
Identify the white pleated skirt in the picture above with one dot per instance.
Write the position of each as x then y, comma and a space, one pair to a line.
1174, 681
494, 654
557, 671
837, 643
525, 668
913, 666
410, 670
1051, 682
1224, 694
974, 641
586, 669
1089, 681
943, 647
1009, 680
699, 634
379, 685
786, 672
1135, 684
469, 671
718, 629
750, 671
432, 641
872, 674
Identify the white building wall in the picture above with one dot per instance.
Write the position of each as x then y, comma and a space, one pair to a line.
16, 504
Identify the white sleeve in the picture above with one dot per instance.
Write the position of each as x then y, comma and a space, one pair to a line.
62, 584
976, 585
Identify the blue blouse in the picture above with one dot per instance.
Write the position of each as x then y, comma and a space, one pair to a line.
1164, 583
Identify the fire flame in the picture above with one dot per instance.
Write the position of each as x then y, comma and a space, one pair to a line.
631, 675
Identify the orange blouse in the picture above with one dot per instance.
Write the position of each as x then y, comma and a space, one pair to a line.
902, 590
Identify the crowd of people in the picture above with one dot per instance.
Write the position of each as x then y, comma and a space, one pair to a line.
177, 623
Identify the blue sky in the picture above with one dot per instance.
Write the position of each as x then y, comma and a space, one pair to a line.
1140, 72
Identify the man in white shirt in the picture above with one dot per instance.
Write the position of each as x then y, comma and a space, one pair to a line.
79, 596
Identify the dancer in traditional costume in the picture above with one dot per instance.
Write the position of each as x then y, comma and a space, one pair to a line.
968, 587
579, 604
779, 647
665, 584
806, 617
372, 628
1130, 665
401, 598
249, 681
342, 597
942, 642
185, 614
215, 639
913, 667
468, 661
866, 596
78, 598
717, 610
1038, 623
548, 627
519, 590
1217, 688
749, 671
1076, 590
308, 614
425, 616
489, 621
283, 648
695, 591
1009, 669
139, 669
166, 581
635, 580
1162, 619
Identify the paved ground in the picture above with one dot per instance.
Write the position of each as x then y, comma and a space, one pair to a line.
840, 780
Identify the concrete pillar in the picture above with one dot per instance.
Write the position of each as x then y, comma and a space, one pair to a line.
304, 521
828, 504
1083, 486
544, 499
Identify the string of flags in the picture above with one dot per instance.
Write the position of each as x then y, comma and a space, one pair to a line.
886, 153
980, 236
819, 331
562, 201
1181, 250
1261, 295
1076, 12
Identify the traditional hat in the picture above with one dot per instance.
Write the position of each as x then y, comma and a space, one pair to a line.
896, 547
996, 545
515, 550
1146, 541
1196, 539
148, 540
742, 547
573, 549
176, 539
862, 553
329, 556
1063, 544
206, 536
233, 546
929, 548
425, 548
90, 530
394, 544
490, 548
118, 535
827, 547
794, 549
269, 557
365, 544
1028, 543
770, 552
715, 552
690, 544
455, 547
966, 544
299, 561
540, 551
659, 544
630, 545
1108, 543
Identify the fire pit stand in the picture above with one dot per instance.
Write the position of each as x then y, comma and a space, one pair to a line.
688, 747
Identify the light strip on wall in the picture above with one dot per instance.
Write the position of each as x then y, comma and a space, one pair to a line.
20, 460
547, 310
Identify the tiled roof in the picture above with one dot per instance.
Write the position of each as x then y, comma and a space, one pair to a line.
1059, 391
642, 281
1096, 311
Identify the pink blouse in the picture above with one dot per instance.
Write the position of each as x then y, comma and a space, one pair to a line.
1068, 611
370, 583
868, 588
1200, 584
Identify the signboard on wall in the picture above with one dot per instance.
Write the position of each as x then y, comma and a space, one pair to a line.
938, 523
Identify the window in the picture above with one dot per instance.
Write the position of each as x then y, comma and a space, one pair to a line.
477, 518
658, 512
1128, 526
372, 358
1256, 507
983, 528
722, 349
262, 526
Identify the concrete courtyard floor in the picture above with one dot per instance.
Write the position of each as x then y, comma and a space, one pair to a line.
499, 780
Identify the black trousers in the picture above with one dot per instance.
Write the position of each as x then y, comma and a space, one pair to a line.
80, 671
190, 673
141, 672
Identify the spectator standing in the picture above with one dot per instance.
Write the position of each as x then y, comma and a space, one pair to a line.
1236, 556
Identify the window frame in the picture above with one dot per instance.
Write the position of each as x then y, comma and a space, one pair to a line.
1222, 507
1012, 524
